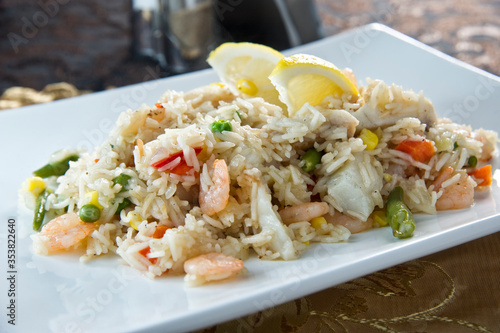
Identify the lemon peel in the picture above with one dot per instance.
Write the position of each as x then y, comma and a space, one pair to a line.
304, 78
247, 66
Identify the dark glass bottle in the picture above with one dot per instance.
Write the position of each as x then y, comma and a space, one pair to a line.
280, 24
181, 33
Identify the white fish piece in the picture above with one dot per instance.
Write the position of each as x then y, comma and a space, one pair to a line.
356, 186
387, 104
342, 118
268, 219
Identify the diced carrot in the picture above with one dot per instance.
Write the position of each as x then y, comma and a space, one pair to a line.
144, 252
160, 231
159, 105
96, 160
420, 151
181, 169
483, 175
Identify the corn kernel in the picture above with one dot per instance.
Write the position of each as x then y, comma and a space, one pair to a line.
247, 87
134, 219
92, 198
306, 243
369, 138
379, 218
218, 84
387, 177
35, 185
317, 222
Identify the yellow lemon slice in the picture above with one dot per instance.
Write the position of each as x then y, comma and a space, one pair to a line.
305, 78
245, 68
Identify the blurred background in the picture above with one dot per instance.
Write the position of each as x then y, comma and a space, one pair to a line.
95, 45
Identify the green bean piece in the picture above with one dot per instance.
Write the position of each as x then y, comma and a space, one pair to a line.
41, 200
472, 161
399, 215
123, 180
55, 169
89, 213
311, 158
122, 205
220, 125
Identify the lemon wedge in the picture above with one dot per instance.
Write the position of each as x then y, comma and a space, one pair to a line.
305, 78
245, 68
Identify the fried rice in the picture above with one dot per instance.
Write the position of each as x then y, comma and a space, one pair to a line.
263, 153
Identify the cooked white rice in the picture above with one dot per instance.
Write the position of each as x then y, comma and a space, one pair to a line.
263, 155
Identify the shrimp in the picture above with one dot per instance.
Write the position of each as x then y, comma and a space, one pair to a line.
443, 176
303, 212
210, 267
354, 224
214, 198
61, 233
458, 195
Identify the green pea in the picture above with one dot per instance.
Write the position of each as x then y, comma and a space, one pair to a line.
123, 180
89, 213
472, 161
311, 158
220, 125
122, 205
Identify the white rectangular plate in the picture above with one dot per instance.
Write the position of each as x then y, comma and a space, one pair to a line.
59, 294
